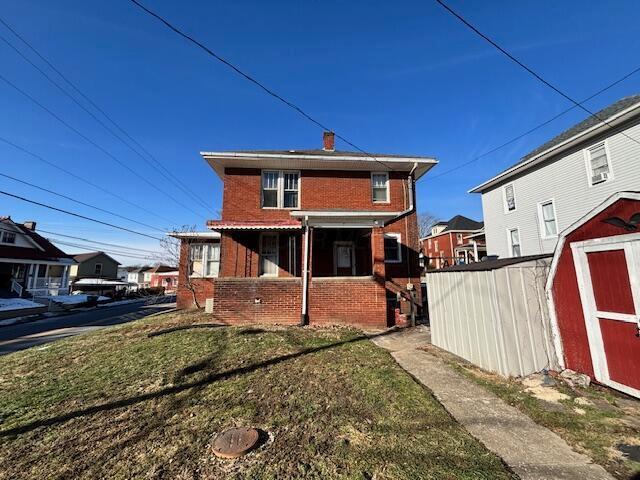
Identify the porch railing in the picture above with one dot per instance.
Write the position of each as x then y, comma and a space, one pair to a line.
16, 287
47, 282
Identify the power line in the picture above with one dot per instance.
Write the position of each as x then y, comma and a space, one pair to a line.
78, 177
113, 252
152, 252
528, 69
543, 124
50, 207
251, 79
40, 230
90, 141
24, 182
181, 186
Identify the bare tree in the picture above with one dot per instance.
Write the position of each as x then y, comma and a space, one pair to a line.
171, 250
426, 220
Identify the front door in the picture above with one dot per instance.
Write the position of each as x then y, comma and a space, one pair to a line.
344, 263
608, 271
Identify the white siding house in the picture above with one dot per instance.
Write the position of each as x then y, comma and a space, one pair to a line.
526, 206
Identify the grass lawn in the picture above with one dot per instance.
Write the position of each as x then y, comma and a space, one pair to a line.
596, 428
120, 404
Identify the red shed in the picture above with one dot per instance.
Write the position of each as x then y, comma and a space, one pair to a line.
594, 294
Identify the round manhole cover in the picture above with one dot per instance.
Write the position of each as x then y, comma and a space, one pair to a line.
235, 442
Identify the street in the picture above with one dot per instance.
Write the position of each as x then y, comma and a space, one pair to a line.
25, 335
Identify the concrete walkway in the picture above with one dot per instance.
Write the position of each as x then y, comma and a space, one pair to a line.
530, 450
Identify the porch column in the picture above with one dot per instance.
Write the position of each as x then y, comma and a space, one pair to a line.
475, 250
33, 271
65, 277
377, 253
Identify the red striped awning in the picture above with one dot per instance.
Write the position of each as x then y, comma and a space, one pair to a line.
254, 225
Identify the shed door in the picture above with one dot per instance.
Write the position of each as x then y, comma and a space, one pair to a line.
608, 272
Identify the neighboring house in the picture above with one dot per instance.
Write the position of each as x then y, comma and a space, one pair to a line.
94, 265
29, 263
459, 240
136, 277
165, 278
123, 273
309, 236
528, 205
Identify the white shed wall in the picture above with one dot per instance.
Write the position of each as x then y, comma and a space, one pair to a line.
496, 319
566, 181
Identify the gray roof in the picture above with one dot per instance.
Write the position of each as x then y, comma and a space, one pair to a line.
460, 222
83, 257
586, 124
330, 153
486, 265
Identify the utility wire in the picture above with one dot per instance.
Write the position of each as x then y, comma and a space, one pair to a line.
40, 230
251, 79
24, 182
150, 252
113, 252
175, 181
528, 69
543, 124
50, 207
77, 177
90, 141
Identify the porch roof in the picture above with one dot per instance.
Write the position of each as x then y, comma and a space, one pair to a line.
345, 218
254, 225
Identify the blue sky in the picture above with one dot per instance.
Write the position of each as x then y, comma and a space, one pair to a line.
393, 77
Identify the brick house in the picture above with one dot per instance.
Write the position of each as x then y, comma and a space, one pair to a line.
459, 240
308, 236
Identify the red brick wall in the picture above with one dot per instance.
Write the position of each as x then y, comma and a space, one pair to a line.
349, 301
319, 190
258, 300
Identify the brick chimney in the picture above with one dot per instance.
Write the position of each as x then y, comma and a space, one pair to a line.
31, 225
329, 141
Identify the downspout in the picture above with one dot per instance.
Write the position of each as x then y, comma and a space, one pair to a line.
305, 273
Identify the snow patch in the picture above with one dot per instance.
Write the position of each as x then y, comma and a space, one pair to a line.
7, 304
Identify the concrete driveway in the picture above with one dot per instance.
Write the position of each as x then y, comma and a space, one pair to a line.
25, 335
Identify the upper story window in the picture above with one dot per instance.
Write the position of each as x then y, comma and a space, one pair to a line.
280, 189
547, 214
459, 238
380, 187
509, 198
437, 247
8, 237
429, 243
514, 242
205, 259
97, 269
392, 248
599, 169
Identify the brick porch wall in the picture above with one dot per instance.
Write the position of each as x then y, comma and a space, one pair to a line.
347, 301
257, 300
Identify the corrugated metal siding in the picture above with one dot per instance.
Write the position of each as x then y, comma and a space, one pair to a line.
495, 319
566, 182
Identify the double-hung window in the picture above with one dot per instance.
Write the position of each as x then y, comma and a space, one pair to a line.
598, 162
8, 237
380, 187
514, 242
392, 248
205, 259
509, 198
280, 189
548, 224
97, 269
269, 255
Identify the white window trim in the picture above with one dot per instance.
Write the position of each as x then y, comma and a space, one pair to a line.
277, 262
95, 267
388, 200
543, 230
280, 190
509, 230
292, 250
504, 198
587, 163
398, 238
205, 257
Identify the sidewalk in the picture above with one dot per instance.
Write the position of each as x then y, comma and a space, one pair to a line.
530, 450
